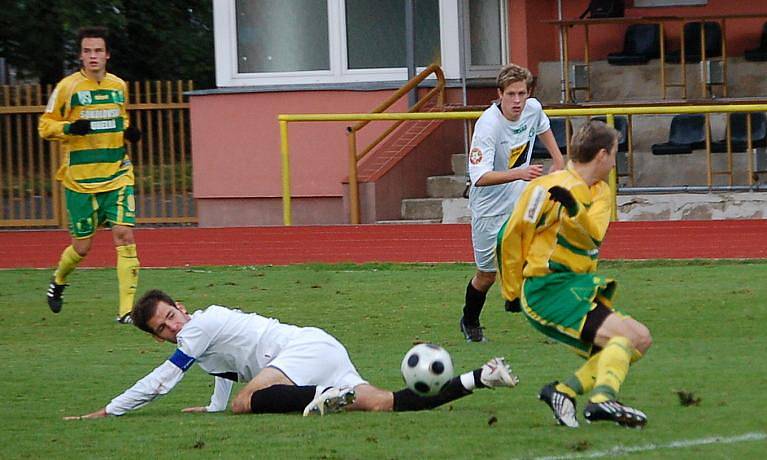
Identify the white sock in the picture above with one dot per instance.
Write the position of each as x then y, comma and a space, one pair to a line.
467, 380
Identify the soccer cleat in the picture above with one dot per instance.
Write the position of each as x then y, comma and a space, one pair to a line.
615, 411
562, 405
124, 319
497, 373
472, 333
55, 292
331, 400
512, 306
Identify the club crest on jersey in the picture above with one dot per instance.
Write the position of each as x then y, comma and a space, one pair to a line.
475, 156
84, 97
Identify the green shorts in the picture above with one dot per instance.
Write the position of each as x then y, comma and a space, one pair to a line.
88, 211
557, 304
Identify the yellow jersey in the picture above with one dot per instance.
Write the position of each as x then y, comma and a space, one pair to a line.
95, 162
541, 238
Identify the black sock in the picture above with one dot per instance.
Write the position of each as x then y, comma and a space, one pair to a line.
278, 399
475, 300
408, 400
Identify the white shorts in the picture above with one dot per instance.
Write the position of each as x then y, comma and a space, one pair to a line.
315, 357
484, 232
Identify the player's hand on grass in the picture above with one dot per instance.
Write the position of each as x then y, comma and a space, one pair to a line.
195, 410
78, 128
98, 414
565, 198
132, 134
531, 172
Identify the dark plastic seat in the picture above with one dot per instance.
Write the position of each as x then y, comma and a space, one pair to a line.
641, 43
622, 125
558, 128
692, 43
759, 53
687, 133
739, 133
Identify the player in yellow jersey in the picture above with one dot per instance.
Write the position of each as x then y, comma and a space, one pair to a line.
547, 254
86, 114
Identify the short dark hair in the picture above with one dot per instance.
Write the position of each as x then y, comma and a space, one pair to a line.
590, 139
93, 32
146, 306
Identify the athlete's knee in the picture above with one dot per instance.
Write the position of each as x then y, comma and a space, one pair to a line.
483, 280
642, 338
241, 403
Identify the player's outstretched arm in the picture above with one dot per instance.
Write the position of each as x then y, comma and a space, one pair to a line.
98, 414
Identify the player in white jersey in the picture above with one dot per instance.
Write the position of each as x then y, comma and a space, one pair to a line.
499, 168
287, 368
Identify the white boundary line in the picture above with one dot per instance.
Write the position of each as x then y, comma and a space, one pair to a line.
621, 450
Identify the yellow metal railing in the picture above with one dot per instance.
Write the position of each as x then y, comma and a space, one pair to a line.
609, 112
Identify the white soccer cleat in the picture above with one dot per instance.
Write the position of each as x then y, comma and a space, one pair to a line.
497, 373
331, 400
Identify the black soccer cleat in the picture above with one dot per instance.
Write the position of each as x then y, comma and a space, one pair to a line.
616, 412
472, 333
124, 319
55, 299
562, 405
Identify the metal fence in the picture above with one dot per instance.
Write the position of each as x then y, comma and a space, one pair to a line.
30, 196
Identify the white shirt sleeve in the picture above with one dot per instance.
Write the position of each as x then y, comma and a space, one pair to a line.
159, 382
482, 152
543, 120
220, 397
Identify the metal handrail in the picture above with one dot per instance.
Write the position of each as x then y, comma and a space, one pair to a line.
609, 112
354, 157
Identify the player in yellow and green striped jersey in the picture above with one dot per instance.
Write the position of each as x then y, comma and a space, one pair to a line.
86, 114
548, 252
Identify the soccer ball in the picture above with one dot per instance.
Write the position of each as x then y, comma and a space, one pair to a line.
426, 368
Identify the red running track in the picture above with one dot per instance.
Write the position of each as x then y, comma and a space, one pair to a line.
174, 247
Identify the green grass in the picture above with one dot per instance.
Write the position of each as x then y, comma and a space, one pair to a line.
705, 317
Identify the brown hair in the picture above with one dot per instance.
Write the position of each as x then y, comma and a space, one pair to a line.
590, 139
146, 306
93, 32
511, 73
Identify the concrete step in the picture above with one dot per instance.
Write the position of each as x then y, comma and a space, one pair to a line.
445, 186
422, 208
458, 161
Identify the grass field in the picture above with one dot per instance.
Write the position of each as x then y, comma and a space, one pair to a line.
705, 317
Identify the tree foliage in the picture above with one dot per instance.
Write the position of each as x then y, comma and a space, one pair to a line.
172, 39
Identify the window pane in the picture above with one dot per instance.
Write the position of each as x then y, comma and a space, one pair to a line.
282, 36
485, 27
375, 33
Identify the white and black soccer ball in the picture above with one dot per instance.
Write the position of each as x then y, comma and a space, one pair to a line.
426, 368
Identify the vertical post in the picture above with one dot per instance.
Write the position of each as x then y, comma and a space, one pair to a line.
750, 150
662, 34
724, 58
613, 179
410, 49
710, 173
354, 191
587, 61
286, 220
566, 64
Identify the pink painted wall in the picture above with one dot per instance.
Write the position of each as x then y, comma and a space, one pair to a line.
542, 39
236, 142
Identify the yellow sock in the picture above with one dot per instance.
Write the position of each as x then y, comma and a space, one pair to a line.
127, 276
582, 381
68, 262
613, 366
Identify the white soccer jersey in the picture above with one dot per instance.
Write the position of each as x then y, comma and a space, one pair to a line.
235, 346
499, 145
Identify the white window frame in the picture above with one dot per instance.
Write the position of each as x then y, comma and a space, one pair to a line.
485, 71
227, 75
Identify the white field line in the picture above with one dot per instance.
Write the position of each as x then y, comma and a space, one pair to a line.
621, 450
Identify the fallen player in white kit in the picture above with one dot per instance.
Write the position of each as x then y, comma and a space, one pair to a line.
288, 368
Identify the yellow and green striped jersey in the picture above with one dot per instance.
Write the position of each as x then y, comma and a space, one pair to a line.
541, 238
97, 161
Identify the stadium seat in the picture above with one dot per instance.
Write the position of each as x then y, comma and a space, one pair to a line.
641, 43
621, 124
558, 127
739, 133
687, 133
759, 53
692, 43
